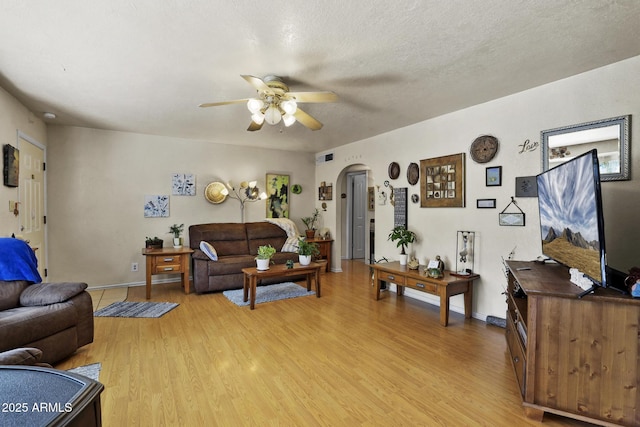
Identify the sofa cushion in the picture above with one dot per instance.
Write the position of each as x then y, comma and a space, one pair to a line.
228, 238
231, 264
28, 324
264, 233
50, 293
10, 293
208, 249
21, 356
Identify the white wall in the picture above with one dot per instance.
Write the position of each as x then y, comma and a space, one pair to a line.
606, 92
13, 117
97, 183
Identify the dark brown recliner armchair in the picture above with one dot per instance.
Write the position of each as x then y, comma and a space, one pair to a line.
56, 318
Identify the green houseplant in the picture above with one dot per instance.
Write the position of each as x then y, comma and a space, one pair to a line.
263, 258
402, 236
310, 223
306, 251
176, 230
153, 243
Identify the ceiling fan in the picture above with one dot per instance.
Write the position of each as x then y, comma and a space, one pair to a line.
274, 103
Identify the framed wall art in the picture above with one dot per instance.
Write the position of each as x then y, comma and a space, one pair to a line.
183, 184
11, 170
156, 206
486, 203
277, 195
494, 176
442, 182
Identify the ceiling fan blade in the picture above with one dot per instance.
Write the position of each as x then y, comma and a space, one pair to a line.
253, 126
307, 120
214, 104
258, 84
313, 96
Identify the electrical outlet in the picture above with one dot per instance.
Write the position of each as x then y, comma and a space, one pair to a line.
134, 266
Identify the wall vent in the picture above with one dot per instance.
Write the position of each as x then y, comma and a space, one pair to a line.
324, 158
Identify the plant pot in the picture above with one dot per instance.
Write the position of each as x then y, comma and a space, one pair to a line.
304, 259
177, 242
310, 234
403, 259
262, 264
153, 245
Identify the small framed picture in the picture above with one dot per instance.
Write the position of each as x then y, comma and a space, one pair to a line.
494, 176
486, 203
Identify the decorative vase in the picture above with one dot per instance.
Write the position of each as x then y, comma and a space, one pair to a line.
177, 242
403, 259
310, 234
262, 264
304, 259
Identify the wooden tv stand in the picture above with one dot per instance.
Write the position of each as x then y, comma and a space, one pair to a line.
573, 357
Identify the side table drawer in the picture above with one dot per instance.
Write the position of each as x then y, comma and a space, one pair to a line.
398, 279
167, 264
167, 268
422, 285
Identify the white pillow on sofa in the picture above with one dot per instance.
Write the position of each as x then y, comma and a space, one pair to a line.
290, 245
209, 250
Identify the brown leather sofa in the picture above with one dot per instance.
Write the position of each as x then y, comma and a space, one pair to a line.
236, 245
56, 318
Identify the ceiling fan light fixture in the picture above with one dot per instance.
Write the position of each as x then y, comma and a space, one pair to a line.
272, 115
288, 119
255, 105
257, 118
289, 106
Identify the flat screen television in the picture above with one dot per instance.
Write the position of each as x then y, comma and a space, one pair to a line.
571, 218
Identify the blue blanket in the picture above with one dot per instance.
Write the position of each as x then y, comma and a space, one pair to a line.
18, 261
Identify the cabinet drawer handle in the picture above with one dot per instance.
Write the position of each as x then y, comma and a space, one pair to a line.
516, 359
168, 269
390, 277
420, 285
168, 259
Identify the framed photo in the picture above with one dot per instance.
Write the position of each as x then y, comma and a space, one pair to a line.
494, 176
442, 182
371, 196
526, 186
486, 203
277, 195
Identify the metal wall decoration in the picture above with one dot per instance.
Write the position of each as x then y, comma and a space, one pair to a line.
277, 195
442, 181
413, 173
325, 192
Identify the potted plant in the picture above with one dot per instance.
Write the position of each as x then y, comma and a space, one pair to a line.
263, 259
402, 237
306, 251
176, 230
310, 223
153, 243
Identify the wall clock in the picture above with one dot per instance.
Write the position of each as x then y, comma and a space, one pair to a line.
484, 148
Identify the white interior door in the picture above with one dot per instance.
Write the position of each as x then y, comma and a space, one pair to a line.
32, 197
358, 189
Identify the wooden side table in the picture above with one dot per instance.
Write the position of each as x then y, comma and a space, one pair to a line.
324, 245
168, 261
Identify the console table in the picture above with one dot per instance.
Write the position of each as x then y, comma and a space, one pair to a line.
168, 261
444, 287
35, 396
575, 357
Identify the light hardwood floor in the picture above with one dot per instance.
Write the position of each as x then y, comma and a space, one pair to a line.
340, 360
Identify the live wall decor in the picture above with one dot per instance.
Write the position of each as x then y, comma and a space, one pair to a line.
183, 184
277, 195
11, 157
156, 206
442, 181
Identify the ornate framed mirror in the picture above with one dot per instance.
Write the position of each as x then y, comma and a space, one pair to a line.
609, 136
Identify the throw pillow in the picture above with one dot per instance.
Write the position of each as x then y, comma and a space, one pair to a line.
209, 250
50, 293
21, 356
290, 245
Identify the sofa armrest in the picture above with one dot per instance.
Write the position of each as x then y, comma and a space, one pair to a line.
50, 293
22, 356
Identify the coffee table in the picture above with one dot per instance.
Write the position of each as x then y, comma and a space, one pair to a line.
252, 276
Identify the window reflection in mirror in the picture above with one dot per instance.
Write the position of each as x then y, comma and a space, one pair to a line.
610, 137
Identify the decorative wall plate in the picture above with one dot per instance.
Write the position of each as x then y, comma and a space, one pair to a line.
484, 148
415, 198
413, 173
213, 193
394, 170
296, 189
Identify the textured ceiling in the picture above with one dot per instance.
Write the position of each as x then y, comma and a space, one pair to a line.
144, 65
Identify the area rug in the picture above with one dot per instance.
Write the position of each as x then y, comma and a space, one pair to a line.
90, 371
136, 309
270, 293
